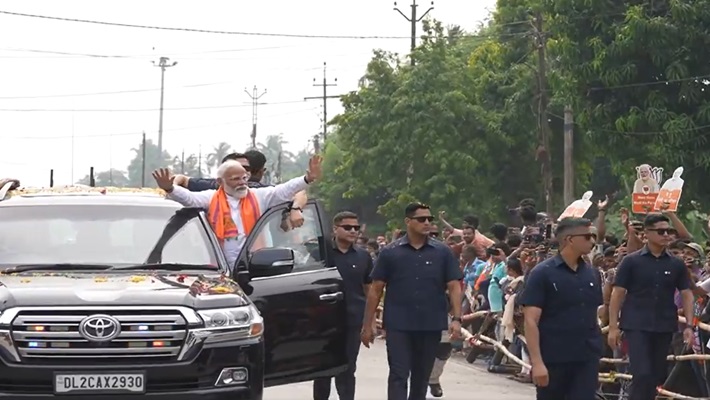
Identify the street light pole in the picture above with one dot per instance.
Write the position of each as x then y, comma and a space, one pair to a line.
162, 64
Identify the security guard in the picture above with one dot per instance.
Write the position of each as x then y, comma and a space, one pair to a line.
645, 284
355, 267
417, 272
561, 298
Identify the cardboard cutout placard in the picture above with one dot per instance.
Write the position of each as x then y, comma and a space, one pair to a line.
646, 188
669, 195
578, 207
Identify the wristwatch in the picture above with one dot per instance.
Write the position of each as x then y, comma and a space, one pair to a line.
456, 319
296, 209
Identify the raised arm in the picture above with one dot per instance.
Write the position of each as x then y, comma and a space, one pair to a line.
179, 194
286, 191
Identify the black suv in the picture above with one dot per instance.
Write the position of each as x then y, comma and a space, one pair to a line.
125, 294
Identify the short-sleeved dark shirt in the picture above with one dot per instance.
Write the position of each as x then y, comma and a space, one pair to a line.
650, 284
416, 283
569, 299
355, 267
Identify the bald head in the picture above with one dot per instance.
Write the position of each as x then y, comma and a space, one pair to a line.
233, 177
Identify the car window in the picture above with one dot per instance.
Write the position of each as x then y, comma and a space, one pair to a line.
305, 241
97, 234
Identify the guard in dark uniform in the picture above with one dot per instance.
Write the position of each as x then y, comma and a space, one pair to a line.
561, 297
417, 272
355, 267
645, 284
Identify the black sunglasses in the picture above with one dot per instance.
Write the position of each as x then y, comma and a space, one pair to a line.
587, 236
350, 227
423, 219
663, 231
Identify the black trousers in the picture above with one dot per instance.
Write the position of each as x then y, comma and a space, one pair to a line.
647, 362
571, 381
345, 382
410, 355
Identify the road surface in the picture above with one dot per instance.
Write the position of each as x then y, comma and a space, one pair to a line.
460, 381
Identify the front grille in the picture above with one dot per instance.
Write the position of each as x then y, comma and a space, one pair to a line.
53, 336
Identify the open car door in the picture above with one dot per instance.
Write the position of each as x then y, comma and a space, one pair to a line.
299, 292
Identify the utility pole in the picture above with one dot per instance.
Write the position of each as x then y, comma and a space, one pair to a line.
278, 167
182, 162
325, 85
199, 161
143, 163
569, 154
543, 152
413, 20
255, 96
162, 64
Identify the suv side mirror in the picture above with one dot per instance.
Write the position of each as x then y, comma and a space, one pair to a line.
271, 262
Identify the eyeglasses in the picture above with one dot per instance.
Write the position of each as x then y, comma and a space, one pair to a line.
423, 219
586, 236
664, 231
350, 227
246, 168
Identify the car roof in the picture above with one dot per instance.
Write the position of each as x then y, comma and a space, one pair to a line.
85, 195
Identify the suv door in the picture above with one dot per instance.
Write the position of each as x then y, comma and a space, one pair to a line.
304, 310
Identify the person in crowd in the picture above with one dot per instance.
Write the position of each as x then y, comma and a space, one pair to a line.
355, 266
643, 299
234, 208
473, 237
499, 232
560, 300
417, 272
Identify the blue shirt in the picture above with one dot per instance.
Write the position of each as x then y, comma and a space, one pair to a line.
569, 331
650, 284
416, 282
472, 271
495, 293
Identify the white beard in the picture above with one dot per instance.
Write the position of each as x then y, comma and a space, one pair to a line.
238, 193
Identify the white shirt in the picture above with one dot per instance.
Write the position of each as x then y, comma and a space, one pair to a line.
267, 197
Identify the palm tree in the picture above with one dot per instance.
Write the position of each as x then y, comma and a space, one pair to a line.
218, 153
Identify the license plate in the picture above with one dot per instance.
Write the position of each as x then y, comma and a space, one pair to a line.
99, 383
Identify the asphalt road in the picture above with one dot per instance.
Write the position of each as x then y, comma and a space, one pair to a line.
460, 381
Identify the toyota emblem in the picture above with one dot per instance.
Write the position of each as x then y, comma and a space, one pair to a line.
100, 328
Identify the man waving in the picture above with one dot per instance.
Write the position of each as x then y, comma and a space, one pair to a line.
234, 207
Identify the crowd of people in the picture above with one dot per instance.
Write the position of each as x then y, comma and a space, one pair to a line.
524, 288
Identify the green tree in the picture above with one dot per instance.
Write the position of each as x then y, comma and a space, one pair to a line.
153, 161
111, 178
214, 158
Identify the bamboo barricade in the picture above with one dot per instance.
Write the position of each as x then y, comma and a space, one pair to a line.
606, 377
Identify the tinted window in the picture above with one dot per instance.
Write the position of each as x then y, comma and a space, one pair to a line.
101, 234
305, 241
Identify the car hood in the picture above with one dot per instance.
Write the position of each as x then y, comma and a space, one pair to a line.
94, 289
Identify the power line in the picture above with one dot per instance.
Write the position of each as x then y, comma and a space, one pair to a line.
140, 109
220, 32
105, 93
134, 133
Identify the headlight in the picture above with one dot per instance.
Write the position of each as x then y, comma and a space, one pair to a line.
233, 318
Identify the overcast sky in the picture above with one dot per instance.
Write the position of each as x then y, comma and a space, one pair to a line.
108, 69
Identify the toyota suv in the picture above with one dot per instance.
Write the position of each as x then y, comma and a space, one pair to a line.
123, 294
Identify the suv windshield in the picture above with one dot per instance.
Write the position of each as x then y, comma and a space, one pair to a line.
97, 234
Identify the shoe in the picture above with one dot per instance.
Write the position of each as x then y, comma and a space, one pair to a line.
436, 390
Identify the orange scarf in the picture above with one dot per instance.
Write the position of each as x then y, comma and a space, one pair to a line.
220, 215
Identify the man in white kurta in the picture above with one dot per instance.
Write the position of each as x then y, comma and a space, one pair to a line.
234, 178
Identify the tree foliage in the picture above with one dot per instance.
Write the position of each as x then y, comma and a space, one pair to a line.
460, 129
